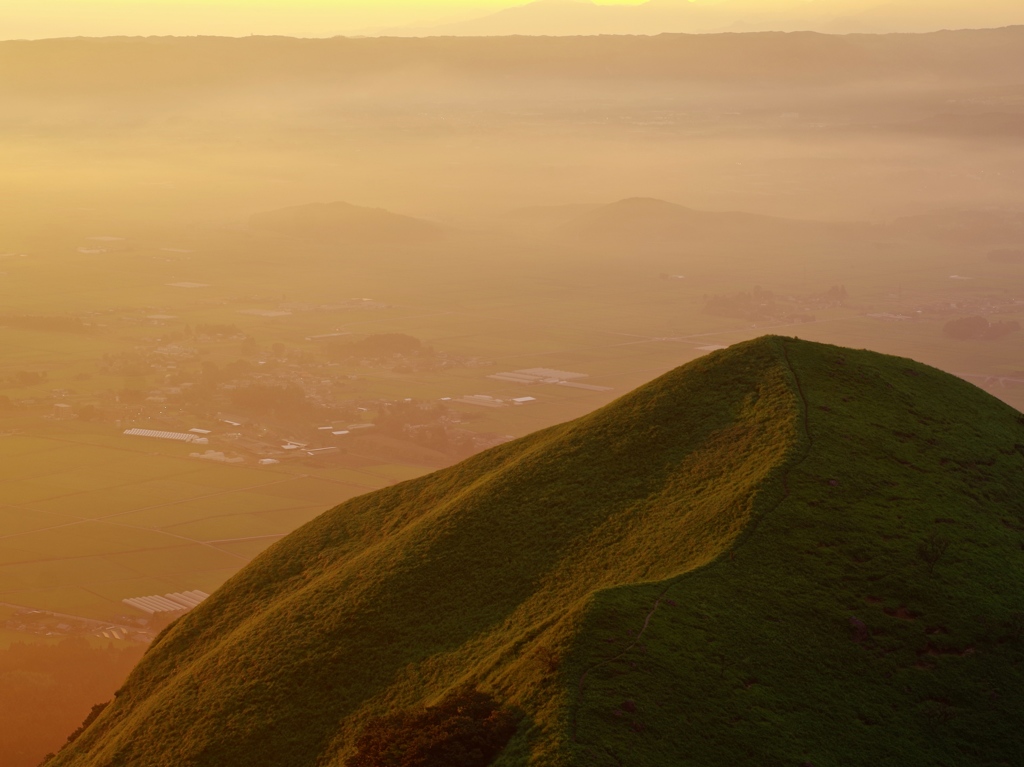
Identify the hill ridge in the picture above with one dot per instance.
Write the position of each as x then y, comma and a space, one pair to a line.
540, 572
344, 221
750, 529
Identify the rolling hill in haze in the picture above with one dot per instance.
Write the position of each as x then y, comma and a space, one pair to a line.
640, 222
782, 553
344, 223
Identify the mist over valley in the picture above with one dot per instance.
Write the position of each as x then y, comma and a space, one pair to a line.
566, 325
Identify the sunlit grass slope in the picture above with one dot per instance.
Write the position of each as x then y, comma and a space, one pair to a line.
734, 564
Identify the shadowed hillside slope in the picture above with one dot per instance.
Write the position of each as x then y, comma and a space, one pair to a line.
780, 553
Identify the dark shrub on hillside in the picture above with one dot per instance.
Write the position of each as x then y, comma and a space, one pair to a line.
93, 715
978, 329
467, 729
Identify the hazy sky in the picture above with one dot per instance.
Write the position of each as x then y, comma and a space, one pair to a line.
46, 18
324, 18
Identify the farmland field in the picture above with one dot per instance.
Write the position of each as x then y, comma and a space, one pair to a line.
88, 522
89, 516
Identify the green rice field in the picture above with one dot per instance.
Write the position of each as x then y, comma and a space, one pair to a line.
88, 522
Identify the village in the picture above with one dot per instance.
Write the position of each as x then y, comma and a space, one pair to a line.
215, 388
51, 625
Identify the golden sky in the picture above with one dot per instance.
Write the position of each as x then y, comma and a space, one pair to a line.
324, 18
48, 18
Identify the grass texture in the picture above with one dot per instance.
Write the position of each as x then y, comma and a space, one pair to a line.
781, 553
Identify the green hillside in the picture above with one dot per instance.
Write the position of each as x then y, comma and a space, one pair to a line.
782, 553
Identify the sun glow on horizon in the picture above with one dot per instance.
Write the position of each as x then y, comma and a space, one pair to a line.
34, 19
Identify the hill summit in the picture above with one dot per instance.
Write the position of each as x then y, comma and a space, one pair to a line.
782, 553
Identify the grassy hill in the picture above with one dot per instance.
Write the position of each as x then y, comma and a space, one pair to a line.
782, 553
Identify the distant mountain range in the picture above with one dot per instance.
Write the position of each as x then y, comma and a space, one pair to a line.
580, 17
640, 224
642, 221
636, 225
783, 553
147, 72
